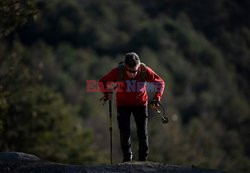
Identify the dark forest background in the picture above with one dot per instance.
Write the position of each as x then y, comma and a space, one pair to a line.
201, 49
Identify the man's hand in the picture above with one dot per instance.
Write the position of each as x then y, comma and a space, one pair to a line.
106, 97
155, 104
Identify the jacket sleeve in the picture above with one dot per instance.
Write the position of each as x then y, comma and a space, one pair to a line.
158, 82
108, 81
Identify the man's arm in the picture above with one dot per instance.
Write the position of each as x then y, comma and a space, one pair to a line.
158, 81
107, 79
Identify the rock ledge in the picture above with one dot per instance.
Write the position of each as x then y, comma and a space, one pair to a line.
14, 162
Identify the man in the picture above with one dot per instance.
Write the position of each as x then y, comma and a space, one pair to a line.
132, 97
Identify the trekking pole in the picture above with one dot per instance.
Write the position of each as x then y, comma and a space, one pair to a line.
110, 129
163, 117
110, 123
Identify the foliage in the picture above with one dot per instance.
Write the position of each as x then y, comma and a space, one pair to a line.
14, 13
35, 118
201, 49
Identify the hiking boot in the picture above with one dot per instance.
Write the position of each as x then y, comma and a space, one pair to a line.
128, 158
143, 159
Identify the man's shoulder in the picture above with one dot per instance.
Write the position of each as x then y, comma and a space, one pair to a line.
115, 69
147, 69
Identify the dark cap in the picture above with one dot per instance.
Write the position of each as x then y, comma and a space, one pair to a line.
132, 59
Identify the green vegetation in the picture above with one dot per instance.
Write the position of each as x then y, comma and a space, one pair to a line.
14, 13
201, 49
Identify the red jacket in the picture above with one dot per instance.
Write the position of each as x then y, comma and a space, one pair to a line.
133, 91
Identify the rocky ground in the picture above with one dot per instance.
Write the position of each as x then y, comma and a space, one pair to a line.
13, 162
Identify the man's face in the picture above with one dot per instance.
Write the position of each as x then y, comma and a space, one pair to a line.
132, 72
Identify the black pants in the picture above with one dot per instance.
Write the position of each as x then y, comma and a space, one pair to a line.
140, 114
